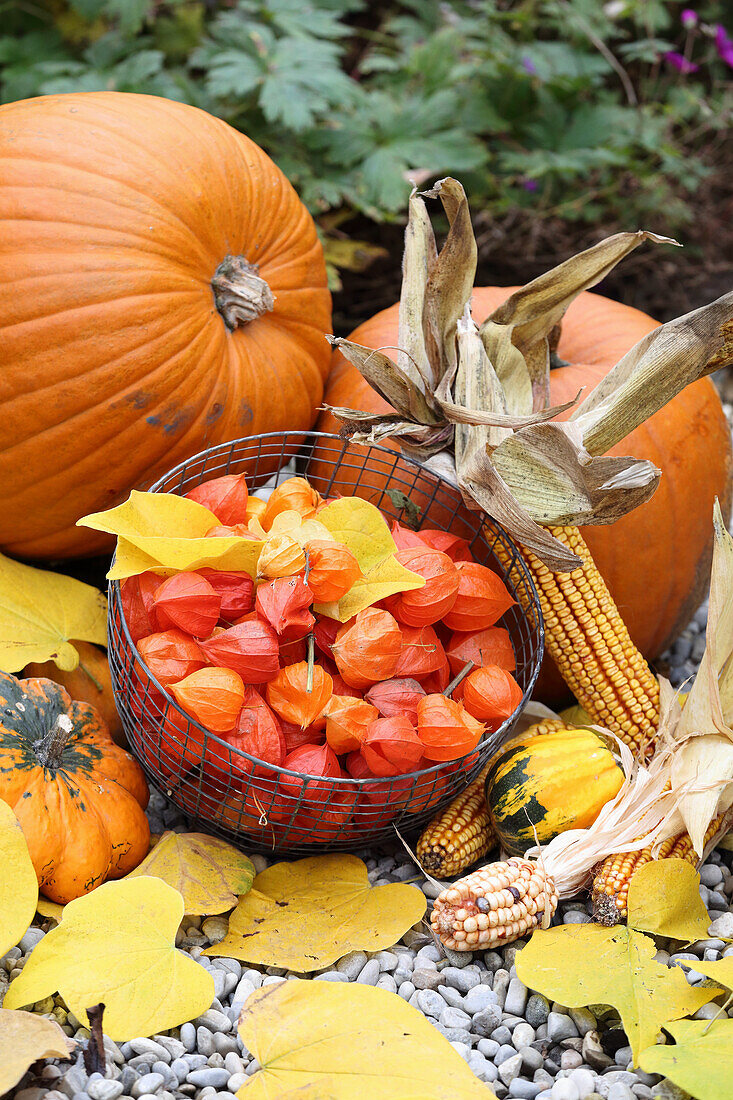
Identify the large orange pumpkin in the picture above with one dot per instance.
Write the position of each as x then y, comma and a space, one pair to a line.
164, 290
655, 560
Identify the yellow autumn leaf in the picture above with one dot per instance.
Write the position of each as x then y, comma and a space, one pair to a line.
41, 611
24, 1039
664, 899
208, 873
18, 881
720, 971
363, 529
345, 1041
117, 945
51, 910
701, 1060
305, 915
166, 533
579, 965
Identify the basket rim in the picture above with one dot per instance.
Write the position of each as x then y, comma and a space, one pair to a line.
392, 781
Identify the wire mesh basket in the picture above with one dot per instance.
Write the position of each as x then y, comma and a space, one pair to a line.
237, 796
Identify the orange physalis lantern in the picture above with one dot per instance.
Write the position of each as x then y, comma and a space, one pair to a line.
281, 556
257, 732
255, 508
284, 603
427, 791
294, 495
445, 728
248, 648
225, 496
437, 681
236, 530
454, 546
421, 652
295, 736
137, 595
482, 598
213, 696
325, 632
316, 761
492, 646
392, 746
340, 687
368, 647
392, 697
491, 695
347, 720
332, 570
404, 537
293, 651
426, 605
189, 602
237, 591
171, 655
289, 697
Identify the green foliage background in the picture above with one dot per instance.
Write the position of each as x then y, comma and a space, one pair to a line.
565, 107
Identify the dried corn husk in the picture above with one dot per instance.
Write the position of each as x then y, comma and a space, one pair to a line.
474, 403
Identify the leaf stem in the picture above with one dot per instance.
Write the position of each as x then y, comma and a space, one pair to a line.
311, 663
458, 678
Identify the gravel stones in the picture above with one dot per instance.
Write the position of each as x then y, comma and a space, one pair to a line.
479, 998
537, 1011
510, 1068
487, 1020
722, 927
516, 997
462, 980
149, 1082
104, 1090
352, 964
423, 978
559, 1027
430, 1003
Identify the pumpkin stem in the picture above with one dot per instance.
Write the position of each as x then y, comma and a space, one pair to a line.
50, 748
240, 294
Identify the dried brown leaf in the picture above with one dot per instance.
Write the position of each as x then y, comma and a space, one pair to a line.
383, 375
418, 258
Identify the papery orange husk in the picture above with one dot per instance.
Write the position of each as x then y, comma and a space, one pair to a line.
404, 537
491, 695
392, 697
368, 647
188, 602
257, 733
213, 696
427, 791
285, 604
320, 822
137, 595
227, 531
445, 728
171, 655
340, 687
437, 682
288, 696
281, 556
316, 762
392, 747
249, 648
295, 495
225, 496
482, 598
347, 721
295, 736
427, 605
325, 631
380, 800
454, 546
255, 508
237, 591
332, 570
293, 651
421, 653
492, 646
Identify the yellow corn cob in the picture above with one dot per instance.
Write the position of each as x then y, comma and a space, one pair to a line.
586, 637
462, 832
494, 905
613, 876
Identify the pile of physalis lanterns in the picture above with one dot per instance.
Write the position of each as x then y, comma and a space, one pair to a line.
371, 698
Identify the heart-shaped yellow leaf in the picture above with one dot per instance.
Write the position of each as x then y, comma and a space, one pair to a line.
208, 873
664, 899
720, 971
24, 1039
361, 527
18, 881
166, 533
584, 964
40, 612
701, 1060
345, 1041
117, 945
51, 910
306, 914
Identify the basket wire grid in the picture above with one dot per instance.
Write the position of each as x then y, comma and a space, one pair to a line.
235, 795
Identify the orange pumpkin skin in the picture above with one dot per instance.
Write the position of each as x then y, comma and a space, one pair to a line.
90, 682
79, 798
116, 211
656, 559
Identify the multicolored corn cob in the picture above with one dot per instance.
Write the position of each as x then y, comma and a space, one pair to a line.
494, 905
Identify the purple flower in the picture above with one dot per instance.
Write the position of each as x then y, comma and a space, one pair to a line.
528, 65
529, 185
724, 45
688, 18
680, 63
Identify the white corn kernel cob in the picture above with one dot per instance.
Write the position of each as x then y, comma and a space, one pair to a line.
494, 905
